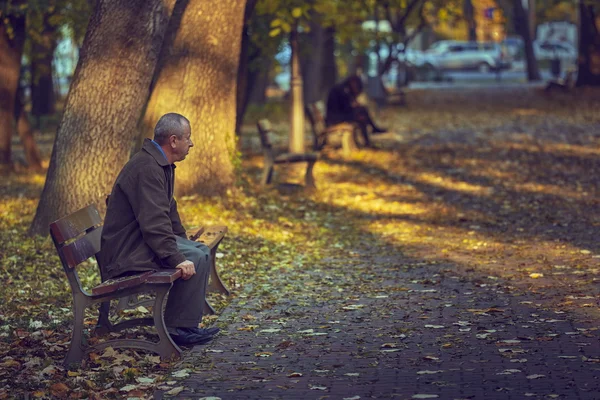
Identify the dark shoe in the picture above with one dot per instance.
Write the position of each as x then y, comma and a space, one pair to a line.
208, 331
377, 129
186, 337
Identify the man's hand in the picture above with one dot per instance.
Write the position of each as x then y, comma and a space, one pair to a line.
187, 269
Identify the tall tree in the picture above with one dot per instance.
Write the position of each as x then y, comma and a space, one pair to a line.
196, 77
26, 133
106, 97
521, 20
244, 81
42, 54
469, 13
317, 58
589, 46
12, 38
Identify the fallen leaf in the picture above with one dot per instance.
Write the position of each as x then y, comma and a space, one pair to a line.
535, 376
175, 391
184, 373
59, 390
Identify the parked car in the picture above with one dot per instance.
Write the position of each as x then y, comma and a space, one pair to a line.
448, 55
514, 47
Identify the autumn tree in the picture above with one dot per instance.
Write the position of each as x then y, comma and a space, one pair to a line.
196, 77
29, 31
589, 45
12, 39
106, 97
522, 26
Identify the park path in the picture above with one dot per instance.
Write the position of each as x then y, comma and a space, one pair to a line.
465, 266
416, 330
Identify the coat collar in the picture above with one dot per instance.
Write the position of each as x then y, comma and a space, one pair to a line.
155, 152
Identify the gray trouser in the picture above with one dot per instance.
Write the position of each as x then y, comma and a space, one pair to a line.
186, 298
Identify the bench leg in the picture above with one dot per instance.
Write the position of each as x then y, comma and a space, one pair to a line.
104, 325
216, 284
267, 174
208, 309
166, 347
309, 179
76, 349
348, 143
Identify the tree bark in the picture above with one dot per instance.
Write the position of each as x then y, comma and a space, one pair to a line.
311, 58
258, 81
197, 77
329, 71
522, 26
469, 13
242, 92
26, 133
106, 97
11, 50
589, 47
42, 86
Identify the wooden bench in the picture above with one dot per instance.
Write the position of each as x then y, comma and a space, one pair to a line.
77, 238
347, 130
565, 84
271, 159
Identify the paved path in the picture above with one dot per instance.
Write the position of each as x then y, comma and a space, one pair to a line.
402, 329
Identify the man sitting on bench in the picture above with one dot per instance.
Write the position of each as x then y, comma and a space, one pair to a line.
342, 106
142, 229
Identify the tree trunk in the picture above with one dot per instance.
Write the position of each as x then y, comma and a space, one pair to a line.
106, 97
258, 79
311, 57
469, 13
242, 92
522, 26
589, 47
197, 78
42, 85
11, 50
26, 133
329, 71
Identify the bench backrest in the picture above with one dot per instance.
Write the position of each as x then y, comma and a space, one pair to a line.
264, 129
316, 116
77, 238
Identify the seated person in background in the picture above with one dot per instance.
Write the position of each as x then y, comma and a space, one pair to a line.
342, 106
143, 232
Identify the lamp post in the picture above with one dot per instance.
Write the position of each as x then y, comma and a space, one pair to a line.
296, 138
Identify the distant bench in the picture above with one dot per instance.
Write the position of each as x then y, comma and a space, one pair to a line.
77, 238
321, 132
272, 158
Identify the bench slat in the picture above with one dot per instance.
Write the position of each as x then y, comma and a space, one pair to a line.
82, 249
112, 285
295, 157
73, 225
164, 276
212, 235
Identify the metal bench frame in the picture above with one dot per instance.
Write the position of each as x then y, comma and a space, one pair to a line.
271, 159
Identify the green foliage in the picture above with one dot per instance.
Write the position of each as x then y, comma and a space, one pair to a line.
556, 10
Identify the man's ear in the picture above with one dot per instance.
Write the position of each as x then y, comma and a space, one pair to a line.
172, 141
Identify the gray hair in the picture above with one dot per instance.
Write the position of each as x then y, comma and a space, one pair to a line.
168, 125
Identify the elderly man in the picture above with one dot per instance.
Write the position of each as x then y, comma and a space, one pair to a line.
142, 229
